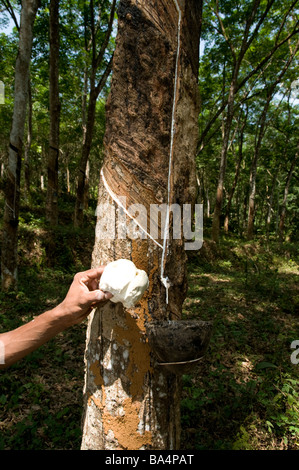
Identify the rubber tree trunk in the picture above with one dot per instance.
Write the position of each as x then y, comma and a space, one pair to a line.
237, 174
13, 172
79, 207
27, 172
53, 156
253, 171
87, 144
223, 160
152, 114
271, 199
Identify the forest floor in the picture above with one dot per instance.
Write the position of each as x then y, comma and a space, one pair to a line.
243, 394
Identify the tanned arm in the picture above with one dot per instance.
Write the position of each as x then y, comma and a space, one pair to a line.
81, 298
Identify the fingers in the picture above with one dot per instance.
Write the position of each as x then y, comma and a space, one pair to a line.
98, 296
90, 274
90, 278
90, 292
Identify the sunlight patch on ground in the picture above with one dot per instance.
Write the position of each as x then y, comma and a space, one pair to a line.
213, 277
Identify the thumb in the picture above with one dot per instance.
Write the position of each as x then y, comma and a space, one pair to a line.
98, 295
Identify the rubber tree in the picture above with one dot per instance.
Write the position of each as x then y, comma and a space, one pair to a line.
150, 146
237, 171
13, 171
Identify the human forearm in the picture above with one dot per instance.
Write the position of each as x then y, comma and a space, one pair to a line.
18, 343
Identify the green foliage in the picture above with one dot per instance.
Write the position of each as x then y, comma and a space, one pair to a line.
74, 67
41, 396
223, 36
283, 415
244, 394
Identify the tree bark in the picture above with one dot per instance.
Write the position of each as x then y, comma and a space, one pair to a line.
53, 156
27, 172
84, 158
87, 142
270, 200
237, 174
223, 158
13, 171
253, 170
86, 186
130, 401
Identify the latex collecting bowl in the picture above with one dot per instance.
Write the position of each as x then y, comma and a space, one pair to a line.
179, 345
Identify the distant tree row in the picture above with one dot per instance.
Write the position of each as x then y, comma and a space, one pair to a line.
248, 149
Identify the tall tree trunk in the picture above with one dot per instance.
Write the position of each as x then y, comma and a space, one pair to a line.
86, 186
271, 199
87, 142
285, 196
68, 188
53, 156
237, 174
277, 213
253, 170
244, 214
223, 160
28, 144
152, 112
88, 134
12, 185
208, 203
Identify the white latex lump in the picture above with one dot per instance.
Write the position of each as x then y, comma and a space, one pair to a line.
124, 281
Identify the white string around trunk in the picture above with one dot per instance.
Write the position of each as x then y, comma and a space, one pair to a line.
115, 199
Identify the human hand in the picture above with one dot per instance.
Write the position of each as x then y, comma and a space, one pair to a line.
83, 295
